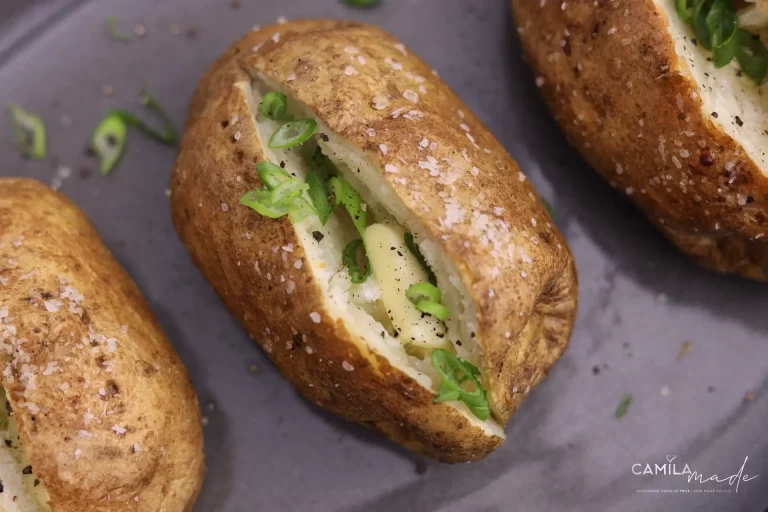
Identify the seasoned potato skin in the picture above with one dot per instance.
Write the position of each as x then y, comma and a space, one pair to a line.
612, 78
526, 312
86, 384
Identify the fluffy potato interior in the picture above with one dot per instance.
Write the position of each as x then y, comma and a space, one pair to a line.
358, 305
722, 90
21, 491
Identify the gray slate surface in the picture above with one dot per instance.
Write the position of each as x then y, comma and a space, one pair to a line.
268, 449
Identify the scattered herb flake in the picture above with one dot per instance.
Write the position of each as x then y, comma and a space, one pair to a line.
621, 410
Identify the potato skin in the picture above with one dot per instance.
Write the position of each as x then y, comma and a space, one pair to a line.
70, 383
258, 267
613, 80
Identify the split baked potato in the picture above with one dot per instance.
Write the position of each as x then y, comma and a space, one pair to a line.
313, 146
97, 413
639, 93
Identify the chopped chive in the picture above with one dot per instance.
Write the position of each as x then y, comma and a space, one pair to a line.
349, 257
29, 132
453, 373
409, 242
300, 209
108, 141
293, 133
111, 25
621, 410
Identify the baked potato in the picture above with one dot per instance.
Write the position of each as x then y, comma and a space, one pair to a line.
311, 143
637, 92
97, 413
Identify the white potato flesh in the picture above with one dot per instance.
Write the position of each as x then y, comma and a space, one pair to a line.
723, 90
19, 492
396, 269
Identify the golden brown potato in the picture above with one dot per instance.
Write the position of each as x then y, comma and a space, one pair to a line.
98, 413
422, 163
638, 97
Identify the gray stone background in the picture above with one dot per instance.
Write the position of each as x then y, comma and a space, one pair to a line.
270, 450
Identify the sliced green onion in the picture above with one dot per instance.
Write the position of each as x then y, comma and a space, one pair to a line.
288, 190
725, 40
361, 3
700, 25
453, 373
260, 200
752, 56
434, 309
301, 209
549, 208
111, 25
293, 133
274, 106
623, 407
29, 132
170, 135
317, 179
346, 195
318, 192
685, 9
108, 141
349, 257
271, 175
423, 291
416, 252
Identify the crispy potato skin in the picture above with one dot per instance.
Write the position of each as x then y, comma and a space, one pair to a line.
337, 68
84, 385
623, 96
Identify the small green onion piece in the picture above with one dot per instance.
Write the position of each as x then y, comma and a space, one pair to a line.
29, 132
361, 3
752, 56
260, 200
623, 407
434, 309
423, 291
287, 191
409, 242
300, 209
274, 106
293, 133
318, 192
549, 208
685, 9
111, 25
271, 175
349, 257
170, 135
346, 195
317, 179
108, 141
725, 40
453, 373
700, 25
